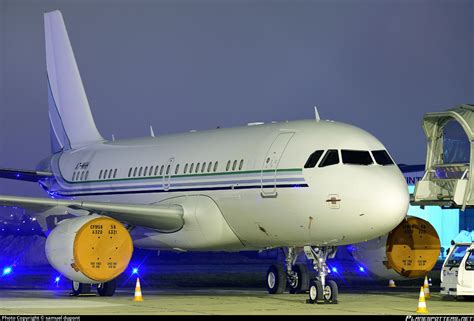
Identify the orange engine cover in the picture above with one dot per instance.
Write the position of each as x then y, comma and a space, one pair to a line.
89, 249
413, 247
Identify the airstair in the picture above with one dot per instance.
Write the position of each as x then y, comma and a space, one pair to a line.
447, 179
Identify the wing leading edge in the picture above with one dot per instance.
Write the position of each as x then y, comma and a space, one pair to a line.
24, 174
163, 218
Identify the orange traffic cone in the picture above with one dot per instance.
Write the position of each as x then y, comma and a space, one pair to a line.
421, 302
426, 288
391, 284
138, 292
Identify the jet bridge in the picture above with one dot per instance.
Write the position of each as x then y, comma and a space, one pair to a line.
447, 179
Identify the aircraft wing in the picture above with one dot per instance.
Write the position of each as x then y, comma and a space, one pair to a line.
163, 218
24, 174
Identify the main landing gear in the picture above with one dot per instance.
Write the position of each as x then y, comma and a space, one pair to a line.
103, 289
297, 277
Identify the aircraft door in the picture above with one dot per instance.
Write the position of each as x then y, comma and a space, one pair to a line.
271, 162
167, 174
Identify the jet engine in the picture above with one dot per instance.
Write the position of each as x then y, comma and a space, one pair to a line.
89, 249
408, 251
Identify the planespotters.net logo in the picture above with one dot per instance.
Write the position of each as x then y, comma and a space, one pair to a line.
439, 318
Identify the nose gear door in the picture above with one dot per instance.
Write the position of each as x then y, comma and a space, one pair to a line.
271, 162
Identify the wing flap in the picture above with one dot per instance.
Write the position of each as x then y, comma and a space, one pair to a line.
163, 218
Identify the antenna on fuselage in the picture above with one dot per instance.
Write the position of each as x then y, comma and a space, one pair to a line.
316, 114
152, 133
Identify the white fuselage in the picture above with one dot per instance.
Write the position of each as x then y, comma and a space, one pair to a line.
264, 198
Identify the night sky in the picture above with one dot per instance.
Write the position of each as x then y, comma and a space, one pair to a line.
182, 65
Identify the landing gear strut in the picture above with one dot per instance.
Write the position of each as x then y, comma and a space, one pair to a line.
320, 290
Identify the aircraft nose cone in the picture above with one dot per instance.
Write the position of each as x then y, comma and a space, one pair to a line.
390, 200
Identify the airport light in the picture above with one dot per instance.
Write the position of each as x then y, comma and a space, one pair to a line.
7, 270
56, 280
361, 268
334, 269
135, 271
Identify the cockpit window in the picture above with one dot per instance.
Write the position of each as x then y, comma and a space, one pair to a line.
382, 157
356, 157
313, 159
331, 158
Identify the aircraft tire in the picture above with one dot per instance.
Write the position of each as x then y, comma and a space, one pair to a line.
276, 279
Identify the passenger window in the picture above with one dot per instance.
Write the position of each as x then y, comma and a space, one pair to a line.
313, 159
130, 172
140, 171
82, 176
161, 170
356, 157
331, 158
382, 157
176, 170
100, 174
191, 168
167, 169
186, 168
197, 167
145, 171
215, 166
241, 164
234, 165
110, 174
228, 166
105, 174
203, 167
135, 172
87, 175
209, 167
156, 169
115, 173
73, 176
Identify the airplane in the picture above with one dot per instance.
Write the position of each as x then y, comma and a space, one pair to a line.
303, 186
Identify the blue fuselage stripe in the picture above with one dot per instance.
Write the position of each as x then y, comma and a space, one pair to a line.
221, 188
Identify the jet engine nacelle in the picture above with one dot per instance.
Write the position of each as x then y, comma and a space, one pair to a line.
89, 249
408, 251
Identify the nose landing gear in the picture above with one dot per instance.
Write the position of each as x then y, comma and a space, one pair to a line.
320, 290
